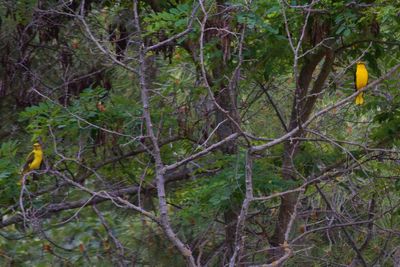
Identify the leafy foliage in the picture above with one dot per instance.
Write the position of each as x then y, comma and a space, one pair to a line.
70, 80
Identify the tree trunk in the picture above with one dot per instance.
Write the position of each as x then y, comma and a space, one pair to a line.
303, 105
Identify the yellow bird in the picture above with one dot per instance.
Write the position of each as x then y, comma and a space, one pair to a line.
360, 81
34, 159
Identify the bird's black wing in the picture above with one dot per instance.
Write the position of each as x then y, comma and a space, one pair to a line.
355, 80
29, 159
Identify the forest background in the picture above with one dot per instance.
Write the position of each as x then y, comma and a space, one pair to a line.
199, 133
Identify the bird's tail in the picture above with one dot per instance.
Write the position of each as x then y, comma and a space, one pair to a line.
360, 99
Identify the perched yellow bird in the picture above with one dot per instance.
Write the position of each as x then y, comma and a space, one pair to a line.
360, 81
34, 160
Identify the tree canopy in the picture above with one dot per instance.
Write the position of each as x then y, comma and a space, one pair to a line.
199, 133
